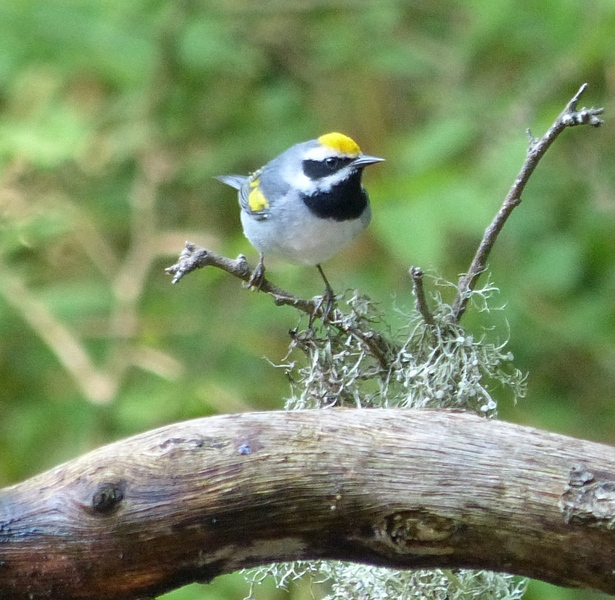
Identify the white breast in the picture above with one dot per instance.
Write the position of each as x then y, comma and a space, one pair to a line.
295, 235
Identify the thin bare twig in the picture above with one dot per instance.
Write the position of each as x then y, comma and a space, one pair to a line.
569, 117
194, 257
416, 273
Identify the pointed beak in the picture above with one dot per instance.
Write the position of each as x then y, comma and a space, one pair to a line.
365, 160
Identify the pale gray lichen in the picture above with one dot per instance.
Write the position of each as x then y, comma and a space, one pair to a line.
351, 581
422, 366
354, 359
376, 583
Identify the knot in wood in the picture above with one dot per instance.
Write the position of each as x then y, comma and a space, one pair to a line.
107, 497
416, 531
588, 499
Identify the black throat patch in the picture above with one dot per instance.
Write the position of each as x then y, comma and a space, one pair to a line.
346, 201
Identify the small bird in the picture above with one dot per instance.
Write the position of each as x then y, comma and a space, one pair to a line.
306, 204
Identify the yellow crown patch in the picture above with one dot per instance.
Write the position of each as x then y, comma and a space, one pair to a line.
340, 143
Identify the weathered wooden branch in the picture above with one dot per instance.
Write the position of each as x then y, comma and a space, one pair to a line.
402, 488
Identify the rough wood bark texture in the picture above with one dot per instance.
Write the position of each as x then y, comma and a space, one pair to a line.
404, 489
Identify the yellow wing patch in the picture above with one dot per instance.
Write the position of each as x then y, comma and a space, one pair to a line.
340, 143
256, 198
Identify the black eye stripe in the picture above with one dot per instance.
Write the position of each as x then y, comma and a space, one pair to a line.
317, 169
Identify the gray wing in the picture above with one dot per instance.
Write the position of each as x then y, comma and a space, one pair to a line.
242, 184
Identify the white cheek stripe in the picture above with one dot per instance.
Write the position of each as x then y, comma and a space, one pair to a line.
300, 181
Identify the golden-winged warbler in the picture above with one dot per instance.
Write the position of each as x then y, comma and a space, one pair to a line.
306, 204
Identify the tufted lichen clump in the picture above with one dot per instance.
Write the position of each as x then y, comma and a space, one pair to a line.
350, 363
354, 359
350, 581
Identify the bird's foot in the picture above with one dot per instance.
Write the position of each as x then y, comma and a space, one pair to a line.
255, 282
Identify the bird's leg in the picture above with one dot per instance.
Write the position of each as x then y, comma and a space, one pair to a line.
258, 275
329, 296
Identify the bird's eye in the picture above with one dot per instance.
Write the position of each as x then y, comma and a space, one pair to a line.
331, 162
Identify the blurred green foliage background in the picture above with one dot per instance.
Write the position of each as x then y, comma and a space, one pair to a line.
116, 115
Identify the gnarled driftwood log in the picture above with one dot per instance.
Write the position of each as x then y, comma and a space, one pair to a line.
401, 488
